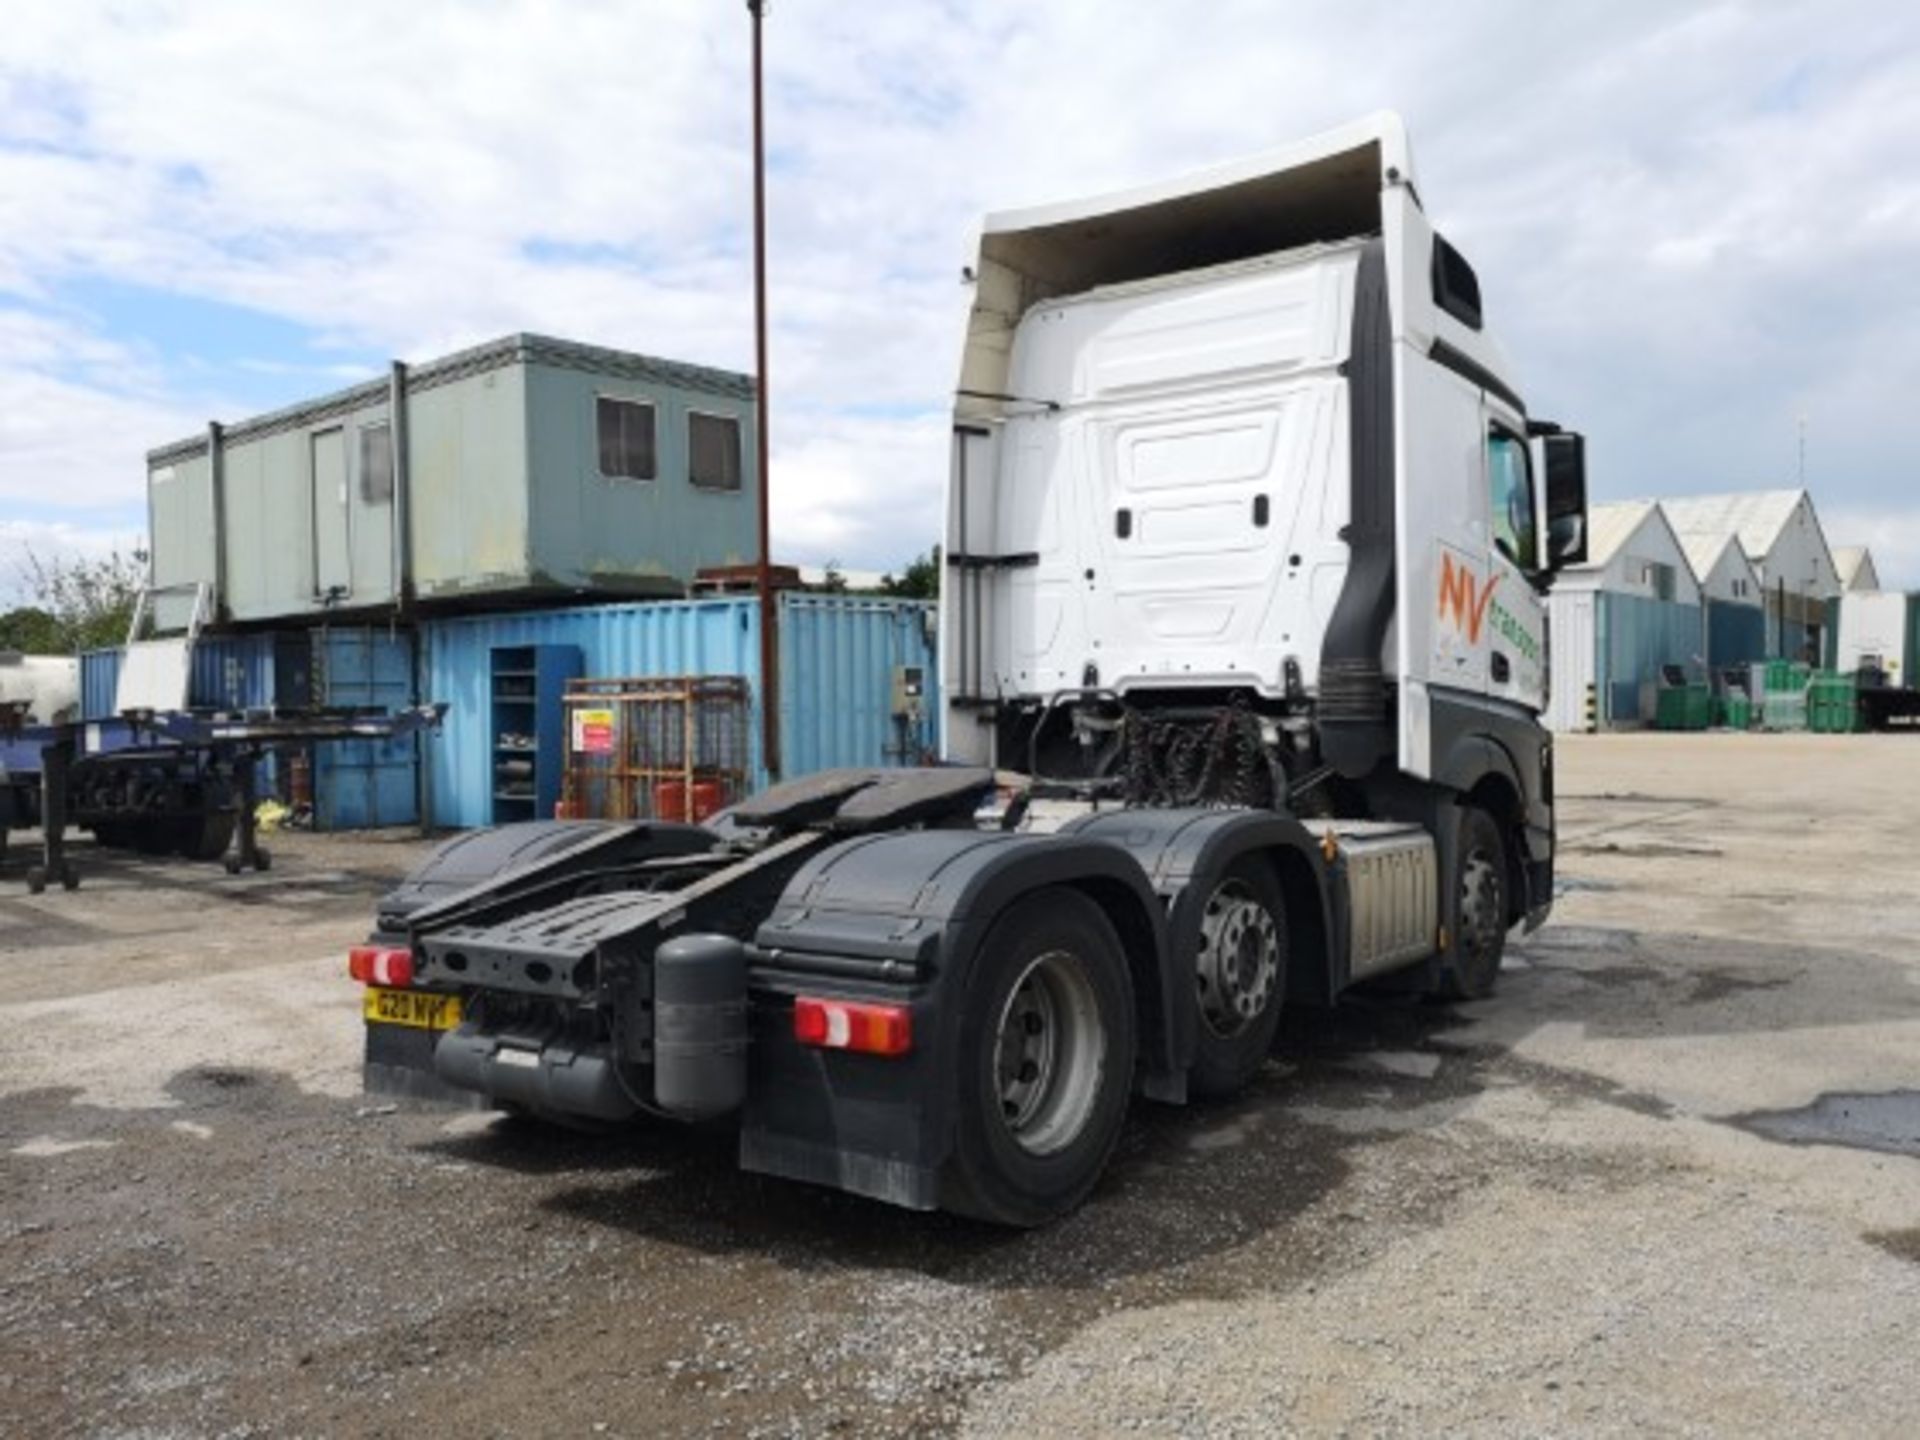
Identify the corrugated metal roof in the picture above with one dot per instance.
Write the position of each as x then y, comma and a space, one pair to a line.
1703, 553
1848, 560
493, 355
1609, 526
1755, 516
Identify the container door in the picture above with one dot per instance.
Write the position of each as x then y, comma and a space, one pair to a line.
359, 784
332, 562
372, 518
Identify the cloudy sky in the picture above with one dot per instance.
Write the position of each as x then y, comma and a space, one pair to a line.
1694, 224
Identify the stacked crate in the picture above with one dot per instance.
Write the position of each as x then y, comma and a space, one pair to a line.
1833, 704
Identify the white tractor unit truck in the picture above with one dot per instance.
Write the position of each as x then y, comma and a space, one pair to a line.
1243, 660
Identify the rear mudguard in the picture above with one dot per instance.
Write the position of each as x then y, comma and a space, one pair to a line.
900, 917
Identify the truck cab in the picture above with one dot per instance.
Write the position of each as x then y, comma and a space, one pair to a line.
1246, 442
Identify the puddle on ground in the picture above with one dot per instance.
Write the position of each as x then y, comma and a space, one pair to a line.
1888, 1122
1564, 884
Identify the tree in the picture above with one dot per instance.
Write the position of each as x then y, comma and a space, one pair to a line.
83, 602
32, 631
919, 581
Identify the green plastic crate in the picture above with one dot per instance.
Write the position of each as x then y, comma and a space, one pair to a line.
1833, 705
1738, 711
1683, 707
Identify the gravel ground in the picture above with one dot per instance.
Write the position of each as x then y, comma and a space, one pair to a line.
1668, 1180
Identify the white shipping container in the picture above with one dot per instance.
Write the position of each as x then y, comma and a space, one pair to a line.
1873, 629
1571, 650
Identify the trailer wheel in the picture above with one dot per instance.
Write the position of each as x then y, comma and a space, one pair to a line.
1240, 976
153, 835
207, 838
1046, 1061
1480, 885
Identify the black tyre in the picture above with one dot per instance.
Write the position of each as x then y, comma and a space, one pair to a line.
152, 835
207, 838
1480, 888
1046, 1062
1240, 977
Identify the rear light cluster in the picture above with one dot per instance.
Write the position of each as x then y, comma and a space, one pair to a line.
853, 1025
381, 965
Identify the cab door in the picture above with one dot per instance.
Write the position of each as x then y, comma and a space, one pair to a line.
1514, 619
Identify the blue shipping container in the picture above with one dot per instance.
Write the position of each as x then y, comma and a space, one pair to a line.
837, 654
229, 672
361, 784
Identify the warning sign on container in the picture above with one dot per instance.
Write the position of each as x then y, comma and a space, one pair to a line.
593, 732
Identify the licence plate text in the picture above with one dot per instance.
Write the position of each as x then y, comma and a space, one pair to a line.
419, 1008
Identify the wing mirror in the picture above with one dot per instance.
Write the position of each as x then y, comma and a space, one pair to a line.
1561, 457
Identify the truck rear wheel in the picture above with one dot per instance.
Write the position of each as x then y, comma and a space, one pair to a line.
1046, 1061
1480, 889
1240, 973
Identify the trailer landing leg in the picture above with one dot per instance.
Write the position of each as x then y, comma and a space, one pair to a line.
247, 851
56, 759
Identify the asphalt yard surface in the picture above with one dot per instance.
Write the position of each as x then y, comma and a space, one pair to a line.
1667, 1180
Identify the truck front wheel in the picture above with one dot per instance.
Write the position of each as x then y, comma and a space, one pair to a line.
1480, 888
1046, 1061
1240, 973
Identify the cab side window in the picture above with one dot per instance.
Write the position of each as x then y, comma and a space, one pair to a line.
1511, 483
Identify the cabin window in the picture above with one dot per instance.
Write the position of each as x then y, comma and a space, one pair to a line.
1659, 579
713, 451
1511, 498
376, 465
626, 439
1456, 289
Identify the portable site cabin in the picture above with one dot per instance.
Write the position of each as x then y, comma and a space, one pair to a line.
1854, 565
1781, 535
1735, 619
523, 469
1614, 620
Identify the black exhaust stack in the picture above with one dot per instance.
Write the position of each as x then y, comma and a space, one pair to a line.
1356, 722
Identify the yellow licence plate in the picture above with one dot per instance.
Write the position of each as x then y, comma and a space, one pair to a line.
419, 1008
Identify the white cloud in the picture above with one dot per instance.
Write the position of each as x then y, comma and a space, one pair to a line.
25, 544
1692, 223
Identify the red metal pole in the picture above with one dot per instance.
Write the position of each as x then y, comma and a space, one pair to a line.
769, 612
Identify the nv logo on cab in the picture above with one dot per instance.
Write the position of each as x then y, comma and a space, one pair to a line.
1463, 599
